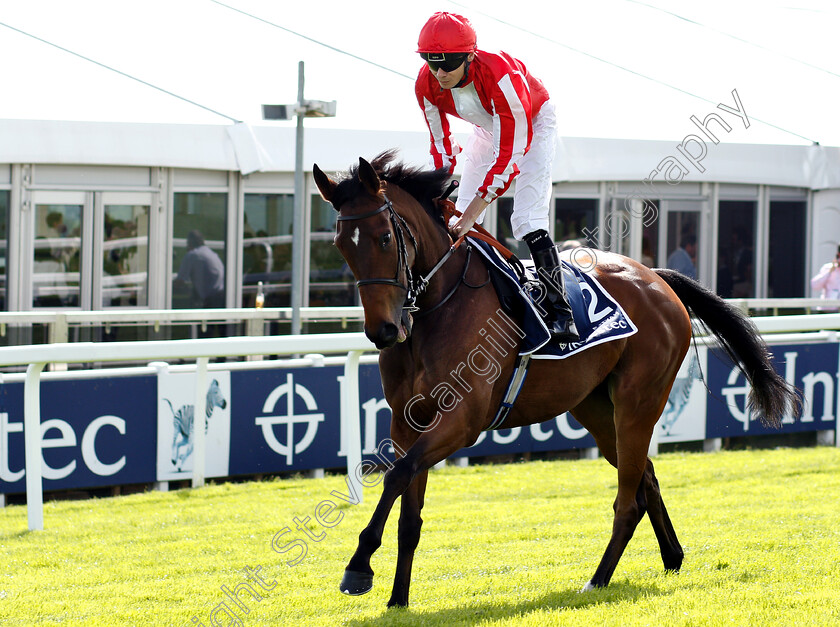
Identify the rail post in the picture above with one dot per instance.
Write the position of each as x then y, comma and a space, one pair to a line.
200, 422
32, 446
350, 420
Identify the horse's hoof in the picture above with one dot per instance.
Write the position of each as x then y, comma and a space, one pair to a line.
356, 583
589, 586
673, 564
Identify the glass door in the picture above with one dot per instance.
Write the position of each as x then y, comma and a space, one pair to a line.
4, 247
121, 266
736, 248
56, 248
619, 225
786, 249
680, 237
89, 250
267, 249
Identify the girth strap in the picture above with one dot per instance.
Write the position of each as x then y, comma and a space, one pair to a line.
517, 380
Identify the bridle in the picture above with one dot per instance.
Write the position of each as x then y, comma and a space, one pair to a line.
413, 287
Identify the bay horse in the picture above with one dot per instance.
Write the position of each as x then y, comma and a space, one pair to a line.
424, 309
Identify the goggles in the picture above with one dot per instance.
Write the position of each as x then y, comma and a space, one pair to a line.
446, 61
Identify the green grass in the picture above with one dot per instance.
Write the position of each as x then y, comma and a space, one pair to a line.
502, 545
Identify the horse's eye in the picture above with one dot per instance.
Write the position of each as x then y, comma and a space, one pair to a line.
385, 240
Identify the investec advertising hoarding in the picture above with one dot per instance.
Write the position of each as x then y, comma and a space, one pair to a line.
813, 368
95, 432
122, 430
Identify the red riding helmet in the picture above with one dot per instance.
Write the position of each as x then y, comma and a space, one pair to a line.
447, 32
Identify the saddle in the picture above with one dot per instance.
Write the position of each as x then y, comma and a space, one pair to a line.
598, 316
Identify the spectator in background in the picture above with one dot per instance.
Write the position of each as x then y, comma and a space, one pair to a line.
647, 253
827, 280
55, 224
742, 264
62, 252
204, 271
724, 277
682, 259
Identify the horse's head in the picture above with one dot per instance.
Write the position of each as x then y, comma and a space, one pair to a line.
378, 247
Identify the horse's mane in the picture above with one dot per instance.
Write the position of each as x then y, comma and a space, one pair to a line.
423, 185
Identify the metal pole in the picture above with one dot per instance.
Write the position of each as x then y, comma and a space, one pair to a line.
298, 262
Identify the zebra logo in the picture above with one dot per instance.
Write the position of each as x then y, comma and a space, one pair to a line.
183, 423
678, 398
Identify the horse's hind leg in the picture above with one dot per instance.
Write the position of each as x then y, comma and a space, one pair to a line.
622, 432
629, 504
596, 413
669, 545
628, 453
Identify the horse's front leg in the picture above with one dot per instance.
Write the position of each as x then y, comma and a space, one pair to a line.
358, 576
430, 448
409, 538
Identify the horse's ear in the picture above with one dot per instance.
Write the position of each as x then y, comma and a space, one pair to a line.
325, 184
369, 177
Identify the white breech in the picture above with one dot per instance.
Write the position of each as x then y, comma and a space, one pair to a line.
532, 187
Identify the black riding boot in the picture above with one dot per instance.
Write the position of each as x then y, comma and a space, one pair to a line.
547, 262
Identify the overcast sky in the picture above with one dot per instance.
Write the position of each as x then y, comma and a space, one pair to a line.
615, 68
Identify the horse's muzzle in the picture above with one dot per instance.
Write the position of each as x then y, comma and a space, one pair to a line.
388, 334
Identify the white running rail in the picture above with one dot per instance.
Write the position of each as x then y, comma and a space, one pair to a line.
36, 357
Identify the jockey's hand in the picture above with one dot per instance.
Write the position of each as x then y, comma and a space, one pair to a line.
461, 225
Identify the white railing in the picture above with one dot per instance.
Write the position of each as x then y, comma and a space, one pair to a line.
38, 356
797, 324
164, 316
58, 323
751, 304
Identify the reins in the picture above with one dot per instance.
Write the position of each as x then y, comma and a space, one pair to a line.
416, 287
477, 231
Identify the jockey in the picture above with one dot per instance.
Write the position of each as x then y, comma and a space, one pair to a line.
514, 137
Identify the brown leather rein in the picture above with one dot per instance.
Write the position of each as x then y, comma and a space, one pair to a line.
415, 287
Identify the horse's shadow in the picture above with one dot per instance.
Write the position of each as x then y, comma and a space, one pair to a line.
569, 599
15, 535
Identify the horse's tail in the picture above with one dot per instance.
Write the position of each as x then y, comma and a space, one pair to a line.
770, 395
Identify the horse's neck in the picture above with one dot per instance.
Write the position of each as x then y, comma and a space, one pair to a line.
432, 240
433, 243
432, 248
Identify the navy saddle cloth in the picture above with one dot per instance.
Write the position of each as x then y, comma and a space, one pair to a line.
598, 317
